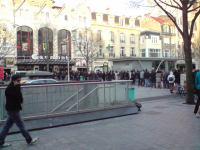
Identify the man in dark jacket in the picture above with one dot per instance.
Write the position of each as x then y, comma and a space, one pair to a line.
14, 100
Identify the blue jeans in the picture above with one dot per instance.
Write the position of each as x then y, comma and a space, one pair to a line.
14, 117
146, 82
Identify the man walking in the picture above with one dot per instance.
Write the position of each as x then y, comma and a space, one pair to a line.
13, 106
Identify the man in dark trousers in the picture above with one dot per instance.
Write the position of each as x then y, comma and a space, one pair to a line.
13, 106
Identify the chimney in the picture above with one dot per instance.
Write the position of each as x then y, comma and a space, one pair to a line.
108, 11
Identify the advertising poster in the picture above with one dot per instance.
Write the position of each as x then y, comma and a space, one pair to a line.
25, 47
1, 72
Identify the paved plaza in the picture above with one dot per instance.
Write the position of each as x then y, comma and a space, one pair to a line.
161, 125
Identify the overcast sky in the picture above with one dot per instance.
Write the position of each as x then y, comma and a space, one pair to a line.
117, 7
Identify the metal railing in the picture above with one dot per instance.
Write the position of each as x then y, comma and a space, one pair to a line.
41, 101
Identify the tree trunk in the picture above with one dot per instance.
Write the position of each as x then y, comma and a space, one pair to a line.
87, 64
188, 58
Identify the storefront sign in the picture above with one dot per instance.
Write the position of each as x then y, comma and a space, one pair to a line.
1, 72
9, 61
35, 56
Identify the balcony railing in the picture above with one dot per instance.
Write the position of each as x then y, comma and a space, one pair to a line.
133, 55
122, 55
100, 55
111, 54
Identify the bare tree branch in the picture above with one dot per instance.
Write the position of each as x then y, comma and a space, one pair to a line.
173, 6
191, 3
193, 9
171, 17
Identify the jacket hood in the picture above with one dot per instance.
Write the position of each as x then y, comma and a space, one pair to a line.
171, 73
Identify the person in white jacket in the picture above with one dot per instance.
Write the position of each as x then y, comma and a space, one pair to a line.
171, 79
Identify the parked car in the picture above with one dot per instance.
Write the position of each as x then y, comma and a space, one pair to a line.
40, 81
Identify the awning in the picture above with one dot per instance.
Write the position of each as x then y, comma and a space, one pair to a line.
43, 62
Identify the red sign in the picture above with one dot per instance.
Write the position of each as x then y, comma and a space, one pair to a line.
19, 46
1, 72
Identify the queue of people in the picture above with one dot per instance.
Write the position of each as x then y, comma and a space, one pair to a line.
146, 78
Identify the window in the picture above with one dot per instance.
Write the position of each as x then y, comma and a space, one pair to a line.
45, 41
142, 53
21, 12
47, 15
24, 41
122, 38
111, 51
132, 51
154, 53
173, 54
110, 21
165, 29
84, 19
80, 19
66, 18
111, 36
131, 23
64, 43
137, 22
154, 40
132, 38
172, 41
166, 53
42, 14
99, 35
3, 8
166, 40
172, 30
121, 22
142, 40
122, 52
99, 18
100, 51
27, 12
178, 21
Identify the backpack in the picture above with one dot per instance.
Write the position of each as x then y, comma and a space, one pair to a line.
170, 78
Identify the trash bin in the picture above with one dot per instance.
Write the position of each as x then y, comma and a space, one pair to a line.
131, 94
81, 78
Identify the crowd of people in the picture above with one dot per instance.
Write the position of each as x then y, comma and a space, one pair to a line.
146, 78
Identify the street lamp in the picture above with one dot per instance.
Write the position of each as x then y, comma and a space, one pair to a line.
68, 54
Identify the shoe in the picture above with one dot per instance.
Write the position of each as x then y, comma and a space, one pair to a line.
34, 140
197, 115
5, 145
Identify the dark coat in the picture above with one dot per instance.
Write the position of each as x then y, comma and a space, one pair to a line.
13, 97
177, 78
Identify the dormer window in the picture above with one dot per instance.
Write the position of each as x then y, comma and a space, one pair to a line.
47, 15
131, 23
21, 12
137, 22
165, 29
121, 22
110, 21
66, 18
42, 14
27, 12
99, 18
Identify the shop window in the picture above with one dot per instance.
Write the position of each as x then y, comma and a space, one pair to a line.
24, 41
45, 41
64, 43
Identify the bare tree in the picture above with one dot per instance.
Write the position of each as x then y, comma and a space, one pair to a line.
87, 43
46, 37
7, 42
186, 7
